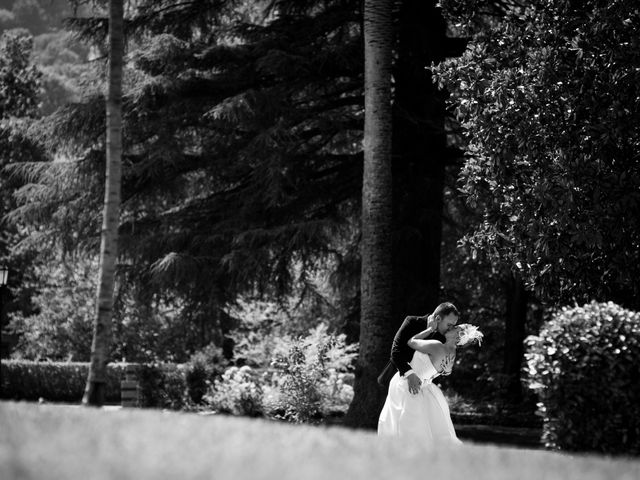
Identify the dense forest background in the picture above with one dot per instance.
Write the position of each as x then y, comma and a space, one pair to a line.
514, 191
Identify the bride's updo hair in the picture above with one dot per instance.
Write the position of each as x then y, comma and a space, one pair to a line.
468, 334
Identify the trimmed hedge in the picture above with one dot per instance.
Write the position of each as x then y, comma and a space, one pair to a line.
162, 385
585, 367
54, 381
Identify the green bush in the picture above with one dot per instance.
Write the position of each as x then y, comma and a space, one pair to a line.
305, 377
54, 381
163, 385
197, 378
584, 367
238, 392
203, 368
299, 390
313, 377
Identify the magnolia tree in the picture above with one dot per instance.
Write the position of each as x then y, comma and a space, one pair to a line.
548, 100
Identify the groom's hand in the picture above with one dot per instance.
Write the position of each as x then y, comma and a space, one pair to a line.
414, 383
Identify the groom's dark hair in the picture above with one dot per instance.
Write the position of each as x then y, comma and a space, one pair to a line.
445, 309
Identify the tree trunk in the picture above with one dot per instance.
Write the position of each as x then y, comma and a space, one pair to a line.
420, 156
517, 301
376, 279
100, 348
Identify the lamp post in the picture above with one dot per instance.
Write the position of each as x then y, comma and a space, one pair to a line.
4, 276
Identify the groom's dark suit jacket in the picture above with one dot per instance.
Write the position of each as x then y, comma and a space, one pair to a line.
401, 353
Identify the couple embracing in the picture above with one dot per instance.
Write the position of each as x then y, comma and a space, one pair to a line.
423, 348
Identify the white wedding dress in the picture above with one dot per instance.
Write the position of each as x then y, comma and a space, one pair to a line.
424, 417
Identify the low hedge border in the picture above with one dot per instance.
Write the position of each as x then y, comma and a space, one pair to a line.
65, 382
54, 381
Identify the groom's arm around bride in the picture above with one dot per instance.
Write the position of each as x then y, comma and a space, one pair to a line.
444, 317
401, 353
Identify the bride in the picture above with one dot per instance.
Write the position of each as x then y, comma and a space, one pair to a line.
424, 417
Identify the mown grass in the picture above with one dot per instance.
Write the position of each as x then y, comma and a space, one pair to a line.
72, 443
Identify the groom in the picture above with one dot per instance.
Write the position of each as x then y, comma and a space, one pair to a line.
441, 320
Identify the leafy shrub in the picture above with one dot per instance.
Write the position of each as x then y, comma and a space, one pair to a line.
58, 325
298, 381
238, 392
299, 390
62, 326
313, 376
584, 367
265, 328
203, 368
174, 394
163, 385
54, 381
7, 19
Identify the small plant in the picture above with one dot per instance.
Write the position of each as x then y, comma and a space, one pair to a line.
313, 376
238, 392
299, 389
162, 385
203, 368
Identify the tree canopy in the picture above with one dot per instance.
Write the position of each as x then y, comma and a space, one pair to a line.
243, 161
548, 100
241, 146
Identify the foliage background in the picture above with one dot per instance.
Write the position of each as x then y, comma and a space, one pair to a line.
547, 100
583, 365
243, 167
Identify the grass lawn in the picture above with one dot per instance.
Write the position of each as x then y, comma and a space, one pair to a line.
71, 443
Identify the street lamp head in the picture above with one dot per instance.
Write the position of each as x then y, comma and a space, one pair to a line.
4, 275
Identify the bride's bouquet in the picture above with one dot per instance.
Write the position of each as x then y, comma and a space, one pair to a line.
468, 334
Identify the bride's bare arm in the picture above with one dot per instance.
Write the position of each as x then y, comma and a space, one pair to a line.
423, 334
418, 342
425, 346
